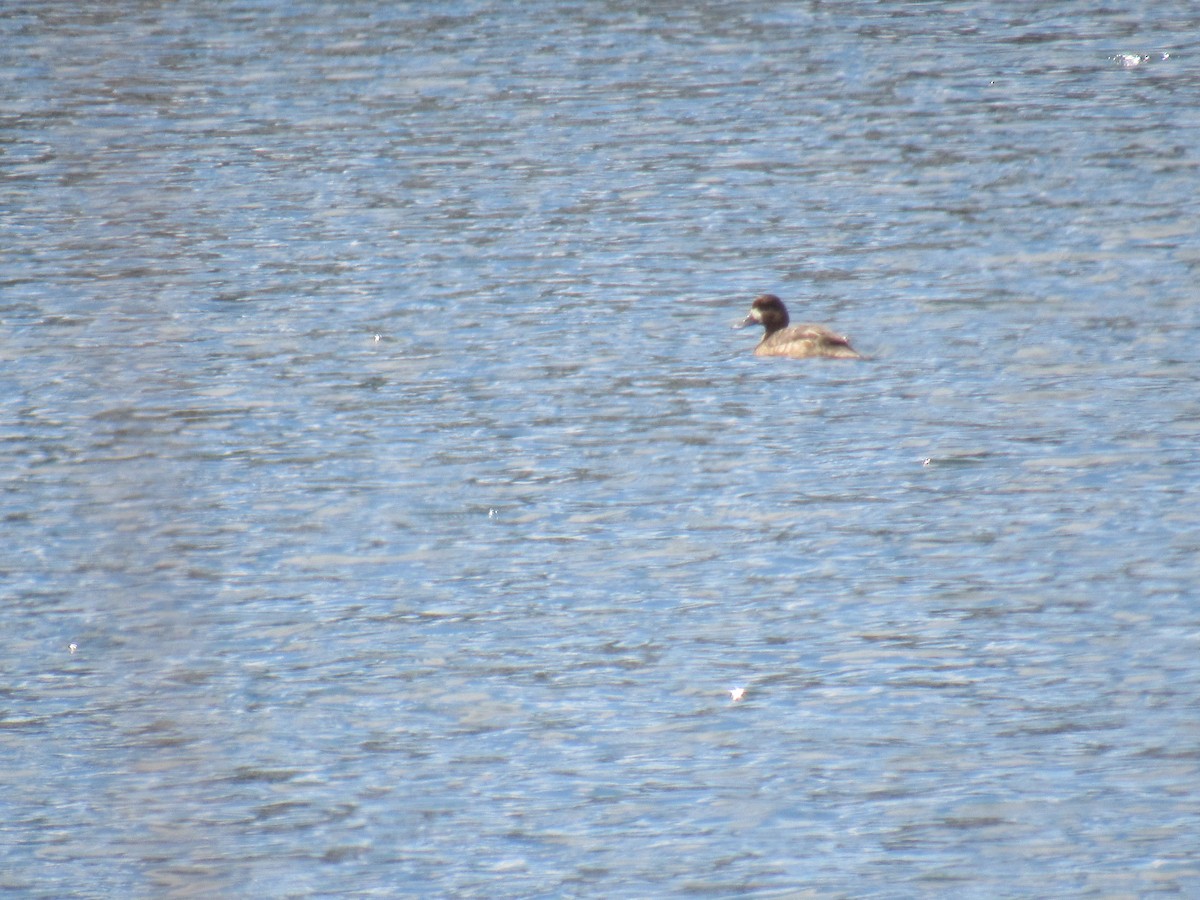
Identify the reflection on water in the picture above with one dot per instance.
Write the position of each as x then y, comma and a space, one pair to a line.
391, 509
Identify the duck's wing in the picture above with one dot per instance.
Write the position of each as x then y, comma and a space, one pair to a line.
821, 335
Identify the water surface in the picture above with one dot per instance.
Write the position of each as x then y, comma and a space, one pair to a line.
390, 507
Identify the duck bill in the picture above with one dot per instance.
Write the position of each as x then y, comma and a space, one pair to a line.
749, 320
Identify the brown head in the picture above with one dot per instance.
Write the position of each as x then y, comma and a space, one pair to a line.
768, 311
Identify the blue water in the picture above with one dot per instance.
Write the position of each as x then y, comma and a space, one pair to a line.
390, 508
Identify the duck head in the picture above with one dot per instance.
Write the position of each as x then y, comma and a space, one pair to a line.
768, 311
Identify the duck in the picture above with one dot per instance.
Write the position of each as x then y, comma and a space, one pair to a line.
797, 342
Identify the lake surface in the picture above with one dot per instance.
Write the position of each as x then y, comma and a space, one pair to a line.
390, 508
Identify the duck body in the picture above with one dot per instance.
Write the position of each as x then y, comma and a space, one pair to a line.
796, 341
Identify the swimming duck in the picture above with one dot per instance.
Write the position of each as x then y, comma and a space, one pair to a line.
797, 342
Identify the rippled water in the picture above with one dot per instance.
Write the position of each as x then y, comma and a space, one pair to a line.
390, 508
